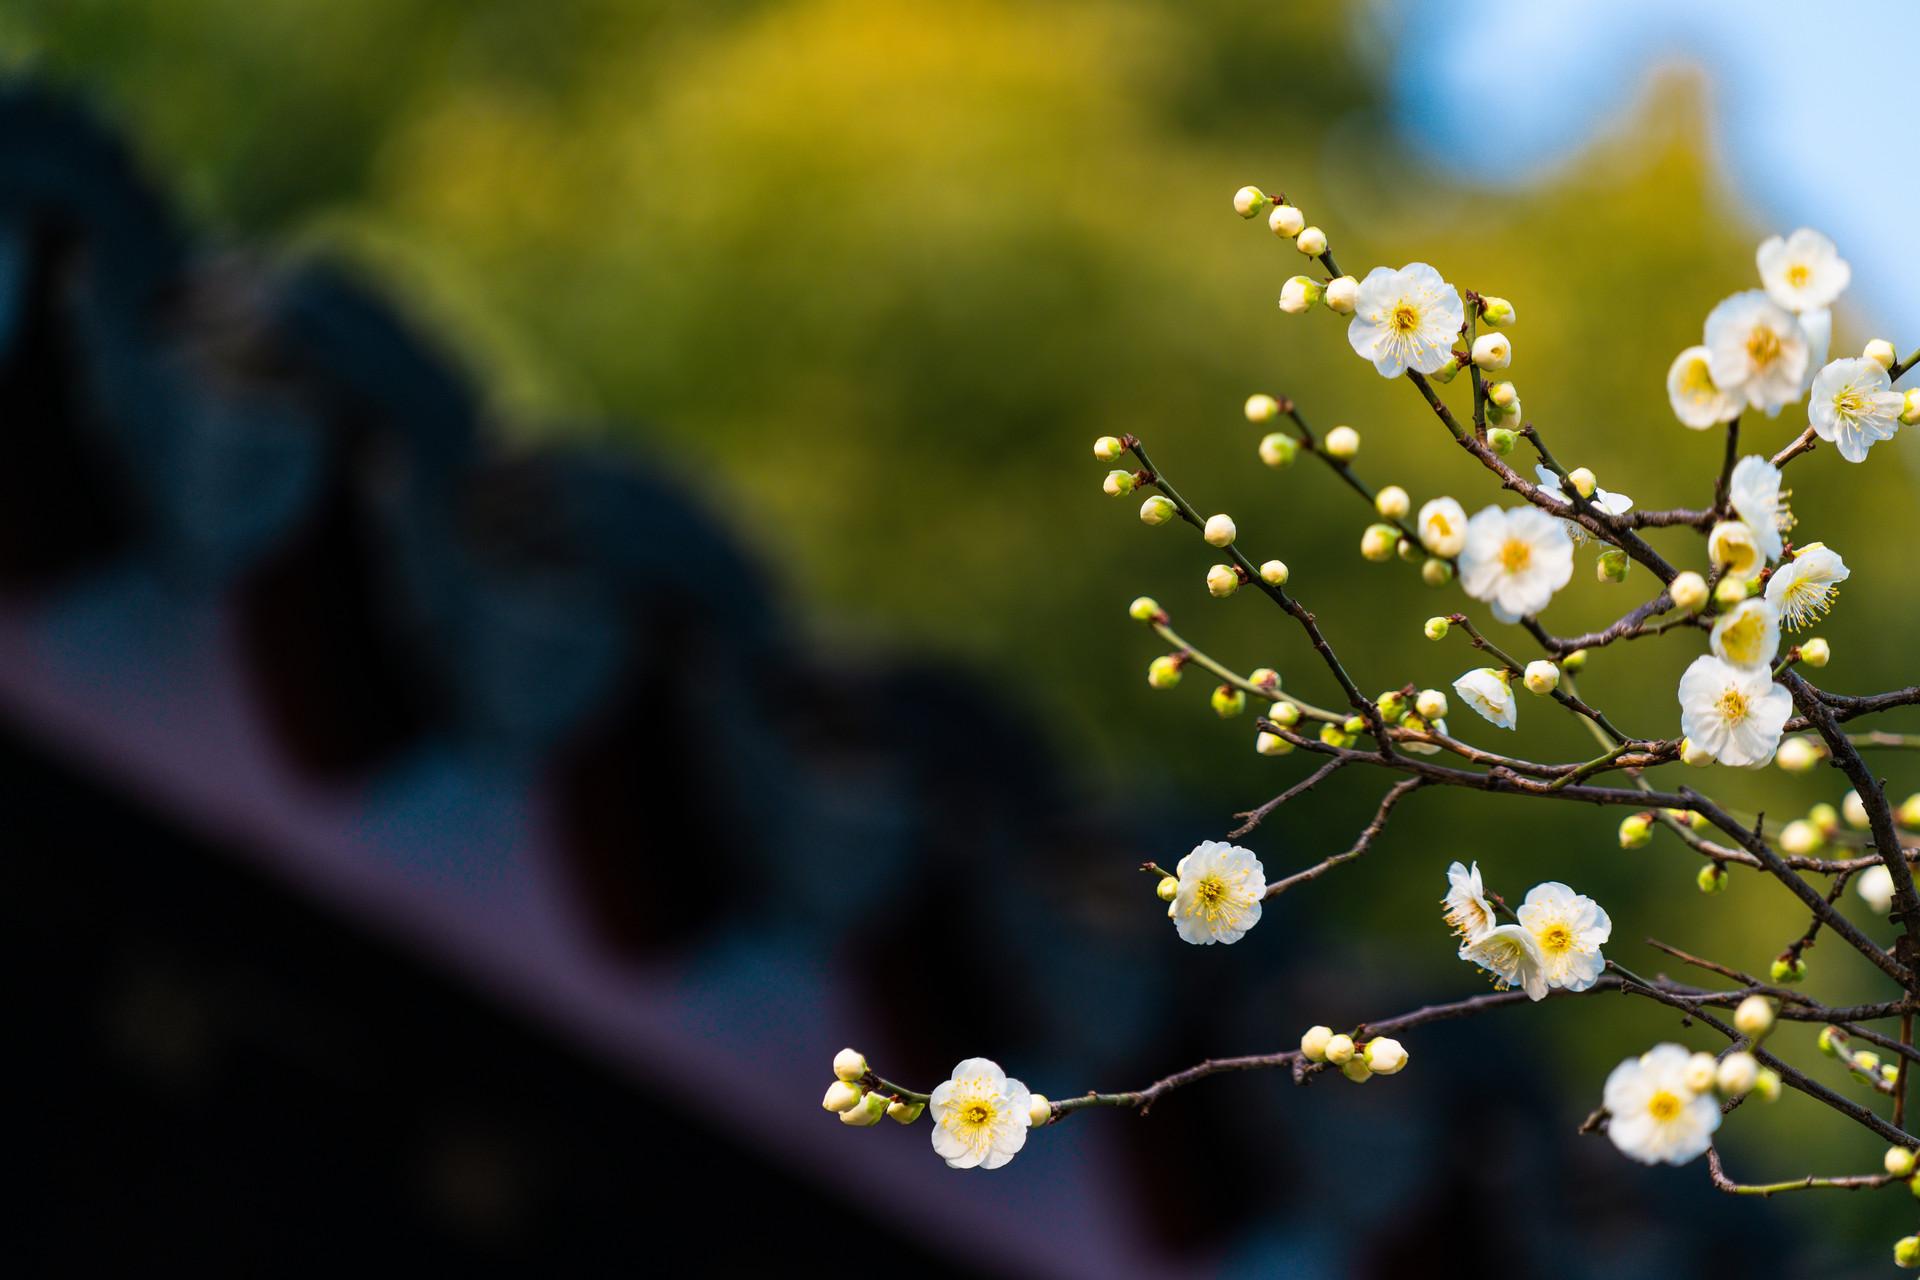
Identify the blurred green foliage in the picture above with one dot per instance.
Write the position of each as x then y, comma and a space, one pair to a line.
875, 276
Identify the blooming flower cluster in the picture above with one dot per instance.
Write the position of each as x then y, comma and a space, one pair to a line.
1553, 942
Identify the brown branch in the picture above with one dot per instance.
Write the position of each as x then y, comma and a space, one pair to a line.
1400, 791
1853, 1182
1256, 815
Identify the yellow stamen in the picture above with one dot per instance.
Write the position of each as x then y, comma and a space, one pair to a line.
1406, 318
1763, 346
1663, 1106
1733, 705
1798, 275
1516, 555
1556, 939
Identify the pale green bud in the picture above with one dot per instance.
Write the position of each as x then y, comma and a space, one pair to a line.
1222, 581
849, 1065
1392, 705
1431, 704
1502, 441
1754, 1017
1332, 735
1908, 814
1910, 407
1906, 1250
1492, 351
1314, 1042
1219, 531
1249, 202
1815, 652
1800, 838
1451, 369
1826, 818
1497, 312
1437, 628
1691, 753
1311, 241
1436, 572
1881, 352
1107, 448
1278, 449
1299, 294
1262, 408
905, 1112
1379, 542
1787, 972
842, 1096
1504, 413
1392, 502
1274, 573
1144, 609
1354, 724
1574, 661
1541, 677
1271, 744
1343, 292
1356, 1070
1284, 714
1264, 678
1767, 1086
1729, 592
1611, 566
1118, 484
1712, 878
1898, 1161
1228, 701
1168, 889
1039, 1110
1502, 395
1635, 830
1157, 510
1339, 1049
864, 1114
1739, 1072
1286, 221
1828, 1041
1582, 481
1163, 672
1342, 442
1688, 591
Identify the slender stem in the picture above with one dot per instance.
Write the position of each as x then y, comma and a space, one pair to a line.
1560, 695
1854, 1182
1399, 792
1229, 676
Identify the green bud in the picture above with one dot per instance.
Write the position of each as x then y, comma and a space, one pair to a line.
1157, 510
1278, 450
1899, 1161
1333, 737
1497, 312
1437, 628
1612, 565
1450, 370
1712, 878
905, 1112
1222, 581
1501, 440
1574, 661
1118, 484
1144, 609
1815, 652
1828, 1041
1436, 572
1354, 724
1392, 705
1168, 889
1908, 814
1825, 818
1264, 678
1906, 1250
1284, 714
1163, 672
1379, 542
1271, 744
1275, 573
1228, 702
1107, 448
1250, 202
1786, 972
1636, 830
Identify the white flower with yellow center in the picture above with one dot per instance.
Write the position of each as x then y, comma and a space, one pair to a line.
1489, 691
1515, 560
1854, 406
1804, 271
1803, 588
1654, 1116
1511, 955
1733, 714
1443, 527
1754, 490
1468, 913
1221, 886
1568, 928
1697, 400
1732, 544
1748, 635
1757, 350
980, 1117
1405, 319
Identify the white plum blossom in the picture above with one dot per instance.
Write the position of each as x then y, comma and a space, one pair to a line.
1875, 887
1510, 954
1488, 691
1733, 544
1748, 635
1804, 271
1733, 714
1568, 928
980, 1116
1854, 406
1654, 1114
1754, 490
1803, 588
1468, 913
1613, 504
1515, 560
1697, 400
1405, 319
1221, 886
1443, 527
1757, 350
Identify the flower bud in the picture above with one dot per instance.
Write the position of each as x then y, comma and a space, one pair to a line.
1800, 838
1854, 810
1825, 819
849, 1065
1697, 756
1863, 1063
1688, 591
1274, 573
1754, 1017
1168, 889
1391, 705
1815, 652
1107, 448
1278, 450
1451, 369
1574, 661
1906, 1250
1497, 312
1157, 510
1729, 592
1731, 544
1385, 1056
1502, 441
1898, 1161
1343, 292
1542, 677
1875, 887
1228, 701
1437, 628
1502, 395
1582, 481
1700, 1072
1222, 581
1436, 572
1314, 1042
1299, 294
1284, 714
1766, 1086
1739, 1072
1118, 484
1163, 672
1881, 352
1636, 830
1271, 744
1220, 531
905, 1112
1492, 351
865, 1113
1262, 408
1264, 678
1611, 566
841, 1096
1910, 408
1379, 542
1039, 1110
1712, 878
1786, 972
1144, 609
1431, 704
1312, 242
1286, 221
1342, 443
1354, 724
1506, 414
1828, 1041
1249, 202
1356, 1070
1908, 814
1339, 1049
1392, 502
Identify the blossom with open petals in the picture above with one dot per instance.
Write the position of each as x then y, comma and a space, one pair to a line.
1510, 953
1488, 691
1748, 635
1221, 886
1754, 490
1468, 913
1405, 319
1854, 406
1568, 928
1803, 271
1733, 714
1697, 400
980, 1116
1654, 1114
1515, 560
1757, 350
1803, 588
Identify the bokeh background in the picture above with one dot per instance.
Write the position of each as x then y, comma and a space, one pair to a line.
730, 660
